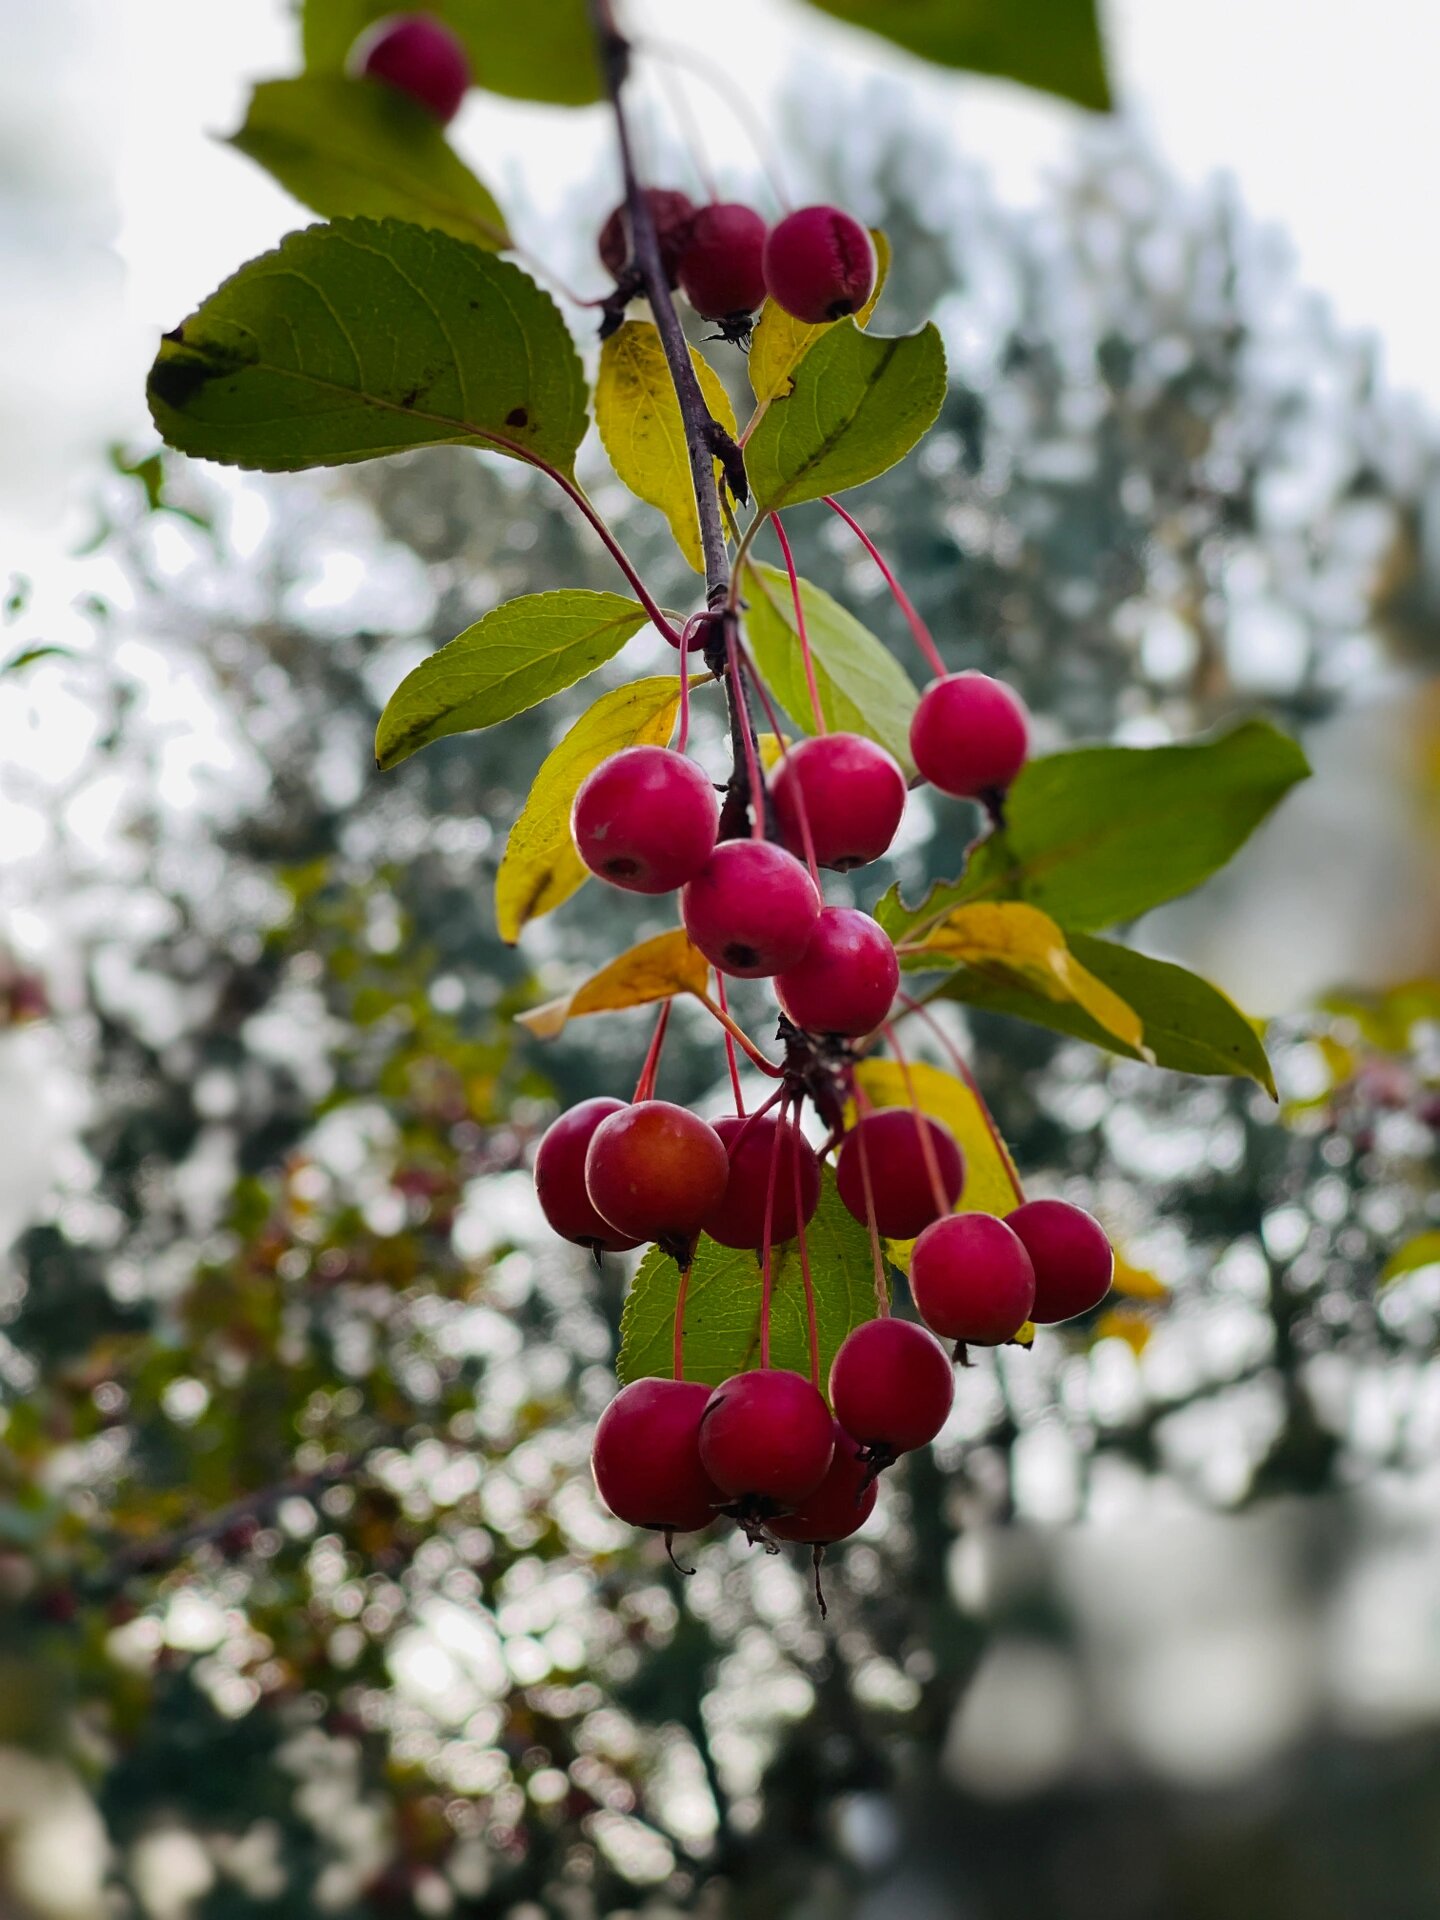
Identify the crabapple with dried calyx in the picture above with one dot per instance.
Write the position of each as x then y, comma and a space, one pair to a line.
846, 979
560, 1178
766, 1439
646, 1457
969, 735
819, 264
839, 1506
671, 211
739, 1220
656, 1171
901, 1187
645, 819
1073, 1260
971, 1280
849, 792
418, 55
752, 910
721, 269
891, 1386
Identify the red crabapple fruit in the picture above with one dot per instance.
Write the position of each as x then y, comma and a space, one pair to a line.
970, 735
739, 1220
1073, 1260
819, 264
752, 910
900, 1173
847, 790
645, 820
416, 54
672, 213
766, 1440
846, 979
891, 1386
646, 1457
656, 1172
839, 1506
722, 271
560, 1178
971, 1280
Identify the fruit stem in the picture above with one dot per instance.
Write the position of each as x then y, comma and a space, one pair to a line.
730, 1059
800, 633
592, 513
882, 1291
961, 1066
677, 1363
765, 1066
753, 673
811, 1327
757, 795
923, 637
927, 1144
767, 1246
737, 101
645, 1085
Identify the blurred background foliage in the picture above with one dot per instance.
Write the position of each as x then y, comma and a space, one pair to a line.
308, 1604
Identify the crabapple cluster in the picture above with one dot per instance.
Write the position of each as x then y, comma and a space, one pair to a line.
766, 1447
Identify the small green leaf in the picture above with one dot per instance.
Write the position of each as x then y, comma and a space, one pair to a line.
1190, 1026
1422, 1251
365, 338
1053, 45
863, 688
860, 402
638, 414
346, 147
1105, 833
543, 50
722, 1311
541, 868
514, 658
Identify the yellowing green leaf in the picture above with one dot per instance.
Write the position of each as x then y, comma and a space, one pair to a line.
780, 341
1137, 1283
347, 147
1018, 944
515, 657
638, 415
990, 1185
1123, 1323
655, 970
541, 869
1422, 1251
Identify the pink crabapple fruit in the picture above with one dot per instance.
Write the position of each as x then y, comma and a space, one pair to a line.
850, 793
418, 55
891, 1386
846, 979
645, 820
672, 212
721, 269
900, 1183
739, 1220
971, 1280
819, 264
1073, 1260
766, 1439
969, 735
646, 1457
560, 1178
752, 910
656, 1171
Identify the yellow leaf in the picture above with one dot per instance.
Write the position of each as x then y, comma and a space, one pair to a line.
780, 341
655, 970
1422, 1251
1018, 945
773, 748
541, 868
639, 420
1123, 1323
989, 1185
1137, 1283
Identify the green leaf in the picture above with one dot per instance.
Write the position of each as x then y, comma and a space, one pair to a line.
1422, 1251
638, 414
1190, 1026
1105, 833
514, 658
541, 868
722, 1311
1053, 45
863, 688
860, 402
543, 50
365, 338
346, 147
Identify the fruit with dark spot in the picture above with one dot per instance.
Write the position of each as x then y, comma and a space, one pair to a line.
752, 910
645, 820
819, 264
847, 790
